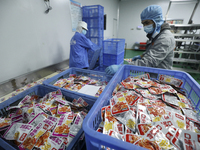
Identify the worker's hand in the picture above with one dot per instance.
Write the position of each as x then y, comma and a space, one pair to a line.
136, 57
112, 69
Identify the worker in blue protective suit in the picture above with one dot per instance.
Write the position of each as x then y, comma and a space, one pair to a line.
79, 45
159, 49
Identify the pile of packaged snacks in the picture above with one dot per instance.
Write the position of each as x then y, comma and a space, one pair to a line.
75, 83
50, 122
154, 114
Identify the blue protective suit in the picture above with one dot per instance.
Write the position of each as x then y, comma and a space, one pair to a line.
79, 45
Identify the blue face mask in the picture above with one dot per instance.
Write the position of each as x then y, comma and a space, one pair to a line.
84, 32
149, 28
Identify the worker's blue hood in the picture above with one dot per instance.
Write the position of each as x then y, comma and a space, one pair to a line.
153, 12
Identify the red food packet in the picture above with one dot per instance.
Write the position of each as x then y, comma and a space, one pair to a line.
131, 98
127, 119
171, 80
116, 135
42, 141
82, 102
62, 109
145, 143
144, 127
53, 143
60, 82
118, 104
63, 126
146, 94
155, 134
129, 85
191, 115
132, 138
190, 140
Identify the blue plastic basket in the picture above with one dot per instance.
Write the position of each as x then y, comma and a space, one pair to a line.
95, 140
93, 11
42, 90
113, 59
113, 46
102, 76
94, 22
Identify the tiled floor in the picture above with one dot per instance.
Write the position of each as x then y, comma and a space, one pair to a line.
132, 53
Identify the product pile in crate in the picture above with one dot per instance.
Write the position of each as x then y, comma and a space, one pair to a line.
154, 114
49, 122
75, 83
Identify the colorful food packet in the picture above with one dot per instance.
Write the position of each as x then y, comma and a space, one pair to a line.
118, 104
63, 126
5, 123
129, 85
146, 143
35, 134
196, 127
109, 121
77, 124
171, 80
82, 102
146, 94
132, 138
144, 127
127, 119
156, 112
191, 115
17, 131
131, 97
190, 126
116, 135
62, 109
42, 140
60, 82
146, 76
37, 119
190, 140
170, 98
155, 134
180, 120
53, 143
167, 88
146, 83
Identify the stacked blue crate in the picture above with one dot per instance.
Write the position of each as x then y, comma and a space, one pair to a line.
113, 51
94, 17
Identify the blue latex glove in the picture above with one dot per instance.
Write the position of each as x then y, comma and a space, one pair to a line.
136, 57
112, 69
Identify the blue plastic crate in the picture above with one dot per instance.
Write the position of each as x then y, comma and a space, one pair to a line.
95, 33
93, 57
42, 90
101, 76
113, 59
95, 140
113, 46
94, 22
93, 11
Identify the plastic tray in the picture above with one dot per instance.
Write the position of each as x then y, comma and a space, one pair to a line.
42, 90
113, 59
93, 11
65, 74
113, 46
94, 140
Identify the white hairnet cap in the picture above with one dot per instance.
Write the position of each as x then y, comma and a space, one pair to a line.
83, 24
153, 12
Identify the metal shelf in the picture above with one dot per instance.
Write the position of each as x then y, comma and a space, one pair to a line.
185, 26
186, 35
186, 70
194, 61
187, 52
187, 40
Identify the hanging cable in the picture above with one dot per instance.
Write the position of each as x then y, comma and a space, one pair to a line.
47, 3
